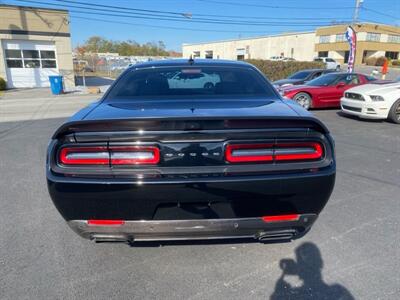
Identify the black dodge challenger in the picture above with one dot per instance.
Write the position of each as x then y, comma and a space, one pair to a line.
191, 149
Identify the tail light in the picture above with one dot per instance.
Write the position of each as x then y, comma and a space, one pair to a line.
84, 156
135, 155
285, 151
115, 155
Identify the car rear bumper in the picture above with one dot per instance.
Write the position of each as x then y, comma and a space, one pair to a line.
202, 229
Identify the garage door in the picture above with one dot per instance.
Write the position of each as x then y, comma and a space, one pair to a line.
29, 63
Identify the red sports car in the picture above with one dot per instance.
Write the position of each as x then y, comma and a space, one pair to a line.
324, 91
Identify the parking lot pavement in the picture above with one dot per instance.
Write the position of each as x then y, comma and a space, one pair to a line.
352, 251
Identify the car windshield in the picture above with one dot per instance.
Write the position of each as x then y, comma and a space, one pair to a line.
324, 80
300, 75
184, 81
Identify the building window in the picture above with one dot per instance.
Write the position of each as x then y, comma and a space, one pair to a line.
196, 54
340, 37
209, 54
324, 39
392, 54
14, 58
373, 37
394, 38
31, 59
323, 54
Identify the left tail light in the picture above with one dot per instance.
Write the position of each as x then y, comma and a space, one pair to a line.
84, 156
115, 155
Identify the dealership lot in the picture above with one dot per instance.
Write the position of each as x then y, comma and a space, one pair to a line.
356, 236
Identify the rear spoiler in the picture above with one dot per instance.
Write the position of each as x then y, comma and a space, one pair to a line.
193, 124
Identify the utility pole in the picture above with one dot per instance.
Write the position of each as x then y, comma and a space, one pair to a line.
356, 10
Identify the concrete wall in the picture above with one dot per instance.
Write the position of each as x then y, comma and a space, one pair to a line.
300, 46
24, 23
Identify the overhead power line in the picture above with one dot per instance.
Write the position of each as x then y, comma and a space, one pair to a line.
173, 18
195, 14
246, 4
172, 27
380, 13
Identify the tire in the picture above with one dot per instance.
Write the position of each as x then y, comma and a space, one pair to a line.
304, 100
208, 85
394, 113
337, 68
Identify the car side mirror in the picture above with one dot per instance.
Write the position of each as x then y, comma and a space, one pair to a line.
340, 85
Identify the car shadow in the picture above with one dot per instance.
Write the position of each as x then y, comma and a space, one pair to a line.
307, 266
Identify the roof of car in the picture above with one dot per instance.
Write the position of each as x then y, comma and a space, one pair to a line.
194, 62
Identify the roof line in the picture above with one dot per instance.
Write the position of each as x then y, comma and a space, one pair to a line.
250, 38
32, 7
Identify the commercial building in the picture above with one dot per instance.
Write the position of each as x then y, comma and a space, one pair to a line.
373, 40
34, 43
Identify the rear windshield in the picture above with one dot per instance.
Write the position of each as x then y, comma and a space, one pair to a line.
199, 82
300, 75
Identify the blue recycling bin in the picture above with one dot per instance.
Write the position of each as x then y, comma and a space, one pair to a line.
56, 84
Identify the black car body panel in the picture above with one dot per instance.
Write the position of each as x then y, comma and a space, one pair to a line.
194, 190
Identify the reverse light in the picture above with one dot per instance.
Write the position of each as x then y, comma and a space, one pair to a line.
284, 151
249, 152
281, 218
134, 155
84, 156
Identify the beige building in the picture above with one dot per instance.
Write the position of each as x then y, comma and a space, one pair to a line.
373, 40
299, 46
34, 43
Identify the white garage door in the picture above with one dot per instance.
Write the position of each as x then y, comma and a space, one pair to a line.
29, 63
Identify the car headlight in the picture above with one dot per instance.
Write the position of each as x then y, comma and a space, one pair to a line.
282, 93
377, 98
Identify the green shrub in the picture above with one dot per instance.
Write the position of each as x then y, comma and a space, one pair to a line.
380, 61
371, 61
275, 70
2, 84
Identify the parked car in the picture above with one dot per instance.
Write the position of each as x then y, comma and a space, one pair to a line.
324, 91
373, 101
154, 162
276, 58
301, 77
193, 80
288, 59
330, 63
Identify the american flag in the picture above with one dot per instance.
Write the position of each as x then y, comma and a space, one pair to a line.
351, 37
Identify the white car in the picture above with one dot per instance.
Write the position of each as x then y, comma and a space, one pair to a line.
380, 100
197, 80
330, 63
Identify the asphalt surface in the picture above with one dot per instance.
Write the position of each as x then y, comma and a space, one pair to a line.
353, 250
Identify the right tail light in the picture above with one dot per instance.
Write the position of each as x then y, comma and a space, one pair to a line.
284, 151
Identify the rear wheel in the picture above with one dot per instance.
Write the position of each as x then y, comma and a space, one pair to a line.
394, 114
208, 85
303, 99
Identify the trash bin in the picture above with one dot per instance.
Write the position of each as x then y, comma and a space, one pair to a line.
56, 84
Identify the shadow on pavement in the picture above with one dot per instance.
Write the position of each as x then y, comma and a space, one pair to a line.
308, 268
